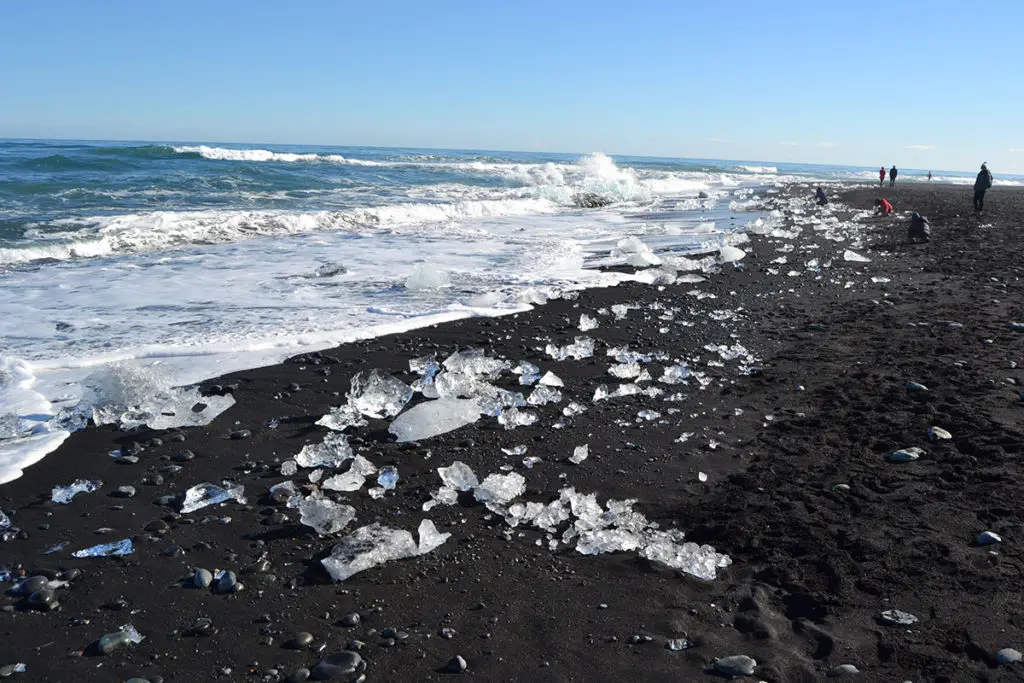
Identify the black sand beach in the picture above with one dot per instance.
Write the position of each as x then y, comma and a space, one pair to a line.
814, 565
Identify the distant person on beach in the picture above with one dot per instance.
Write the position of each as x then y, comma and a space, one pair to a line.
920, 228
820, 196
892, 175
929, 176
881, 176
981, 185
882, 207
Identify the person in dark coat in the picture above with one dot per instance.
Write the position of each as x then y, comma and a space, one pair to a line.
820, 196
920, 229
892, 175
981, 185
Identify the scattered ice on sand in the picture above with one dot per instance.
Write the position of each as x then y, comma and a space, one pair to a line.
500, 488
331, 452
202, 495
435, 417
64, 494
573, 408
325, 515
582, 347
117, 548
373, 545
377, 394
513, 418
543, 395
341, 418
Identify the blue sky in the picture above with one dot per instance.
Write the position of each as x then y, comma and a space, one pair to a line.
931, 84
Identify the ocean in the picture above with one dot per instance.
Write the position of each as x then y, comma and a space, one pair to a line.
131, 270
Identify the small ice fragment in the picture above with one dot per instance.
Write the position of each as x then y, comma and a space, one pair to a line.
500, 488
906, 454
676, 374
573, 409
325, 515
445, 495
514, 417
373, 545
289, 468
427, 276
64, 494
430, 537
5, 521
702, 476
331, 452
341, 418
354, 478
201, 495
624, 370
701, 561
435, 417
543, 395
376, 492
730, 254
895, 617
938, 433
458, 476
133, 634
587, 323
388, 477
529, 461
378, 394
475, 362
601, 393
550, 379
850, 255
620, 311
425, 367
524, 368
582, 347
122, 547
284, 493
515, 450
56, 548
579, 454
635, 253
648, 415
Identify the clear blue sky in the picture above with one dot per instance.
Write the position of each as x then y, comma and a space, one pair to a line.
829, 82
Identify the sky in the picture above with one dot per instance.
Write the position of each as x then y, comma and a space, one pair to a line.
920, 84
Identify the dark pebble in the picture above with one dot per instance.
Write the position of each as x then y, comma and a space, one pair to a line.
111, 642
240, 434
43, 599
184, 456
298, 676
336, 665
157, 526
455, 665
201, 627
177, 437
201, 578
32, 584
349, 620
301, 641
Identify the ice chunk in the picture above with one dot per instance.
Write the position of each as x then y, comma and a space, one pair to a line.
579, 454
425, 367
850, 255
353, 480
587, 323
529, 461
543, 395
5, 521
458, 476
624, 370
528, 373
550, 379
582, 347
445, 495
676, 374
573, 408
325, 515
377, 394
122, 547
701, 561
201, 495
620, 310
601, 393
475, 362
730, 254
435, 417
635, 253
289, 468
515, 450
285, 493
608, 541
427, 276
64, 494
341, 418
332, 452
500, 488
374, 545
648, 415
388, 477
513, 418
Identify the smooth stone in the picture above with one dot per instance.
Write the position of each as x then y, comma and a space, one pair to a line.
1008, 656
301, 641
455, 665
8, 670
393, 633
736, 665
227, 583
44, 599
137, 680
895, 617
240, 434
905, 454
336, 664
201, 627
32, 584
201, 578
938, 433
352, 619
157, 526
124, 492
916, 387
298, 676
184, 456
112, 641
842, 670
988, 538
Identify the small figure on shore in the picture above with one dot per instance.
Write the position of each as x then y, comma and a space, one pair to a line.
881, 176
929, 176
892, 175
981, 185
882, 207
920, 228
820, 196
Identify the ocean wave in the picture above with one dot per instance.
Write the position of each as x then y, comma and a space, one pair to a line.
759, 169
59, 162
259, 155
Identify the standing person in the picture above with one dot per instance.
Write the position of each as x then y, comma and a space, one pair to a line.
892, 175
929, 176
881, 176
981, 185
820, 196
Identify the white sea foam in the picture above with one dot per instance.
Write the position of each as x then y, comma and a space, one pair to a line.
229, 154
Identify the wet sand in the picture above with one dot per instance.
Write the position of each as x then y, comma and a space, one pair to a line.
814, 565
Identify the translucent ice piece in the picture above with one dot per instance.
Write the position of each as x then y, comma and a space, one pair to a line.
852, 256
332, 452
289, 468
430, 537
5, 521
608, 541
730, 254
373, 545
582, 347
341, 418
201, 495
513, 418
378, 394
701, 561
524, 368
500, 488
475, 362
426, 366
550, 379
64, 494
122, 547
445, 495
285, 493
676, 374
458, 476
579, 454
625, 370
648, 415
133, 634
515, 450
435, 417
573, 409
325, 515
543, 395
587, 323
388, 477
353, 480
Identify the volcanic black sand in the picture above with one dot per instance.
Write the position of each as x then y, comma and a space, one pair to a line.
814, 565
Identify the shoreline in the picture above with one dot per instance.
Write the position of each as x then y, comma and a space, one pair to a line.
813, 566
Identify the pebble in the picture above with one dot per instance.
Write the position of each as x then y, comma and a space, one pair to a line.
914, 387
905, 454
177, 437
336, 665
455, 665
184, 456
202, 626
988, 538
240, 434
895, 617
9, 670
842, 670
201, 578
938, 433
1008, 656
124, 492
227, 583
32, 584
126, 459
447, 633
392, 632
302, 640
352, 619
43, 599
298, 676
112, 641
157, 526
736, 665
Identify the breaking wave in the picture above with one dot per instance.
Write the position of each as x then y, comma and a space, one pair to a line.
229, 154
